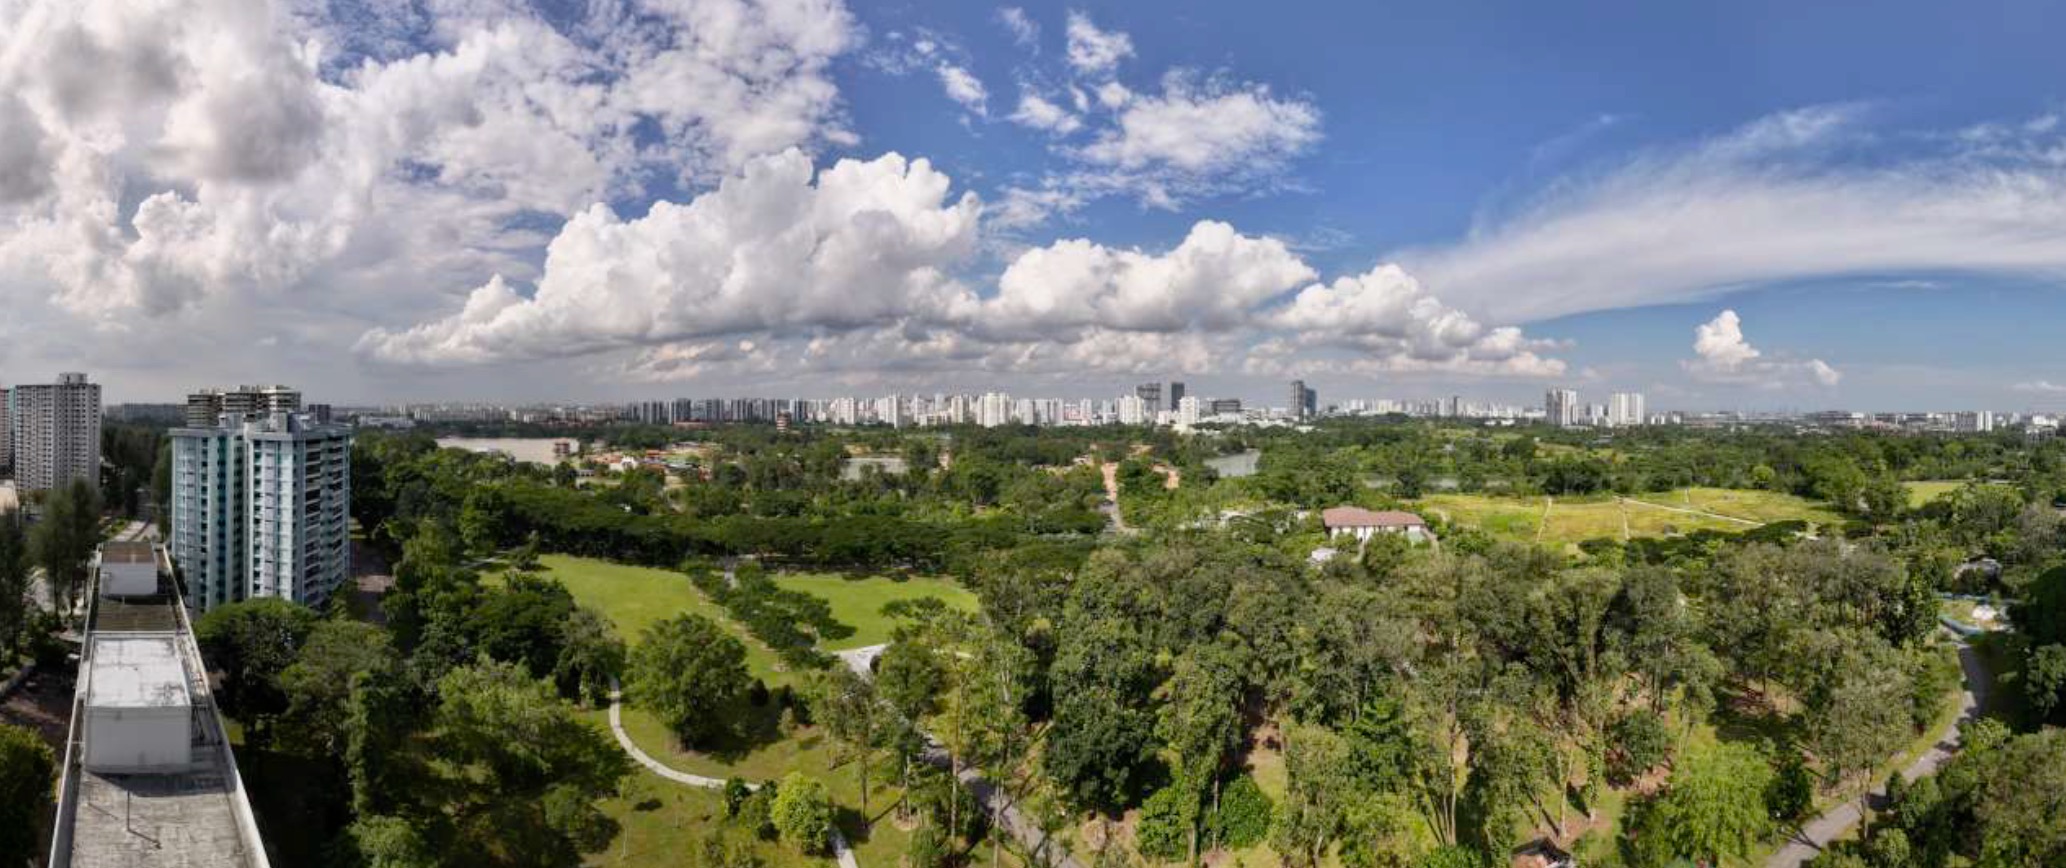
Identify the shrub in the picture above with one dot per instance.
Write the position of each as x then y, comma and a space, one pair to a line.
1641, 742
1793, 790
736, 792
802, 812
928, 848
1162, 832
757, 813
1244, 815
27, 767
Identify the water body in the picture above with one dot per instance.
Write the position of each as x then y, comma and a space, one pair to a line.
890, 464
531, 450
1236, 465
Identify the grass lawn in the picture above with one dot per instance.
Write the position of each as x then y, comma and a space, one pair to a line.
807, 751
858, 603
634, 597
1574, 520
1752, 505
1924, 491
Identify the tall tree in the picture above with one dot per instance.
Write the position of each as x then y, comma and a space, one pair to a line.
252, 642
65, 539
27, 769
1714, 804
1200, 725
14, 583
691, 672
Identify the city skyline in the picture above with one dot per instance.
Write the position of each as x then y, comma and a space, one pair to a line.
514, 202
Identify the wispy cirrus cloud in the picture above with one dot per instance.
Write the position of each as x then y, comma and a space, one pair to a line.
1800, 195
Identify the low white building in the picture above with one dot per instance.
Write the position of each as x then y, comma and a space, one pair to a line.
139, 705
1363, 524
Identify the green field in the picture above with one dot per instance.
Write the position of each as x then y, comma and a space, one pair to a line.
1750, 505
858, 603
634, 597
1924, 491
1573, 520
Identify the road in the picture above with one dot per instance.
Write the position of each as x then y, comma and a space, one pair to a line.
1838, 821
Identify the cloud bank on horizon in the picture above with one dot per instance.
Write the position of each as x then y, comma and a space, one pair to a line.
680, 191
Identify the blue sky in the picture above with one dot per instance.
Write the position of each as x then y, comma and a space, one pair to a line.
1724, 205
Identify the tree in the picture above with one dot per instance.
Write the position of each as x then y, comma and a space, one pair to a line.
14, 583
590, 655
1200, 724
1317, 794
27, 768
802, 813
317, 686
64, 541
847, 705
2044, 680
518, 773
1714, 804
690, 671
253, 642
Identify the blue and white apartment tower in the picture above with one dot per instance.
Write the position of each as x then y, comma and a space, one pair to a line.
261, 499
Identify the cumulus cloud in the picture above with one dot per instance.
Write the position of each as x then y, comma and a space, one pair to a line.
1212, 281
1037, 112
163, 155
1025, 32
1196, 137
1801, 195
1724, 355
1395, 324
964, 88
865, 244
1093, 51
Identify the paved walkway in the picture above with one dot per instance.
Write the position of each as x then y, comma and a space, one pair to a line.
1698, 512
840, 849
1810, 839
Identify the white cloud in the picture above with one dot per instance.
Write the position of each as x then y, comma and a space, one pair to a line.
1212, 281
1025, 32
1093, 51
1724, 355
1798, 196
164, 156
963, 87
1037, 112
1207, 129
769, 250
2045, 387
1395, 324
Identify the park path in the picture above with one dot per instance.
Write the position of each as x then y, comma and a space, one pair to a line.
840, 849
1817, 834
1699, 512
1111, 504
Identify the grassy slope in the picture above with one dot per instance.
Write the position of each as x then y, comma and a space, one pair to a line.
634, 597
858, 603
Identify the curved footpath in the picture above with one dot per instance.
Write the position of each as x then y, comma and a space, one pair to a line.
844, 853
1811, 838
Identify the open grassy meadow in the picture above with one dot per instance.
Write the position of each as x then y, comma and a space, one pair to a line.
635, 597
1570, 520
858, 603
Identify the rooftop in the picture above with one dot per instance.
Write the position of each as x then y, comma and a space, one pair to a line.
127, 552
140, 821
136, 671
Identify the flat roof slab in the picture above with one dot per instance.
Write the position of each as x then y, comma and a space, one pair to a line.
143, 821
137, 672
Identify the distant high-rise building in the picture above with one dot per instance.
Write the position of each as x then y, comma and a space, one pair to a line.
1176, 394
56, 433
204, 408
1187, 410
261, 506
6, 429
1625, 409
1151, 397
993, 409
1226, 406
1560, 407
1305, 403
1133, 410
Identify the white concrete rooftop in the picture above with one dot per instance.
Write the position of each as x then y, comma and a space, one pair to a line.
132, 671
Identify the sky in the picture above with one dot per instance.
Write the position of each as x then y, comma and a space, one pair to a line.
1726, 206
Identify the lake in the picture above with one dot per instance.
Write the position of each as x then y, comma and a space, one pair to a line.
1236, 465
531, 450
